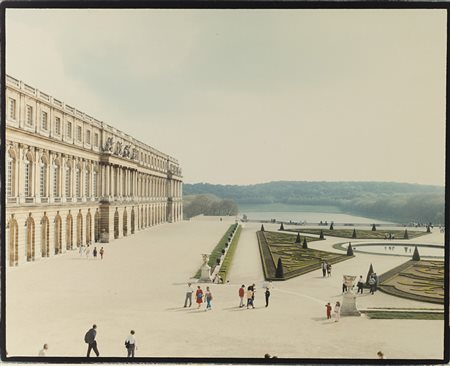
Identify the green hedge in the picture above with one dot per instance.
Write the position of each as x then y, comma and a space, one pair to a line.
217, 251
230, 254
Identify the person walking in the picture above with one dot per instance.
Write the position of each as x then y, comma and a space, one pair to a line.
87, 251
324, 268
241, 295
253, 294
94, 252
43, 351
267, 294
329, 308
189, 291
81, 249
199, 296
102, 251
130, 344
209, 297
337, 311
89, 338
344, 286
329, 269
250, 297
372, 283
360, 285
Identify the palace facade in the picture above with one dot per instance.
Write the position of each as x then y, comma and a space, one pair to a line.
72, 180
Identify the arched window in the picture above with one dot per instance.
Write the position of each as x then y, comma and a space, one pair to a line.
69, 232
87, 181
45, 242
13, 247
95, 183
79, 229
78, 181
28, 174
125, 223
116, 224
132, 220
88, 227
58, 234
97, 226
30, 239
43, 177
11, 173
68, 180
56, 178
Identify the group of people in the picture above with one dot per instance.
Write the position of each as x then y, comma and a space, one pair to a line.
326, 269
95, 252
337, 311
89, 338
206, 296
373, 283
389, 236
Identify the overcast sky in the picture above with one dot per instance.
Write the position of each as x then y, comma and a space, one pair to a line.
251, 96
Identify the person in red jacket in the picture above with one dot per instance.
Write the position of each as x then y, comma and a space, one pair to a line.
328, 306
241, 295
199, 296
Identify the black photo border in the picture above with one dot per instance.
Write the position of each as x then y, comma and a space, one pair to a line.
211, 4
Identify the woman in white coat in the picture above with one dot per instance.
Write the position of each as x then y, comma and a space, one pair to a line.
337, 311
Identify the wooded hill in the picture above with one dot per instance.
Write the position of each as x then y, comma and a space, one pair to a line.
400, 202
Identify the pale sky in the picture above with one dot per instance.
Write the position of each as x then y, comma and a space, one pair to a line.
252, 96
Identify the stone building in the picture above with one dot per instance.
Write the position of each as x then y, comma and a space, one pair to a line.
72, 180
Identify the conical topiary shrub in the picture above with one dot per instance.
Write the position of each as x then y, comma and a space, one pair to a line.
262, 227
428, 229
281, 227
298, 240
349, 250
305, 243
321, 235
369, 273
374, 228
331, 226
405, 235
354, 234
279, 272
416, 256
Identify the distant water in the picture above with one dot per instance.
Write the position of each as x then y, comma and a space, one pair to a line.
310, 217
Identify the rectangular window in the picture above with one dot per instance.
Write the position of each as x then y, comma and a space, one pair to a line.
44, 121
55, 181
86, 184
88, 136
27, 179
58, 125
9, 182
77, 183
42, 180
79, 133
29, 119
67, 183
96, 140
69, 130
95, 183
12, 108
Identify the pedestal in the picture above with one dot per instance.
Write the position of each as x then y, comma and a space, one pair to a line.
348, 307
205, 274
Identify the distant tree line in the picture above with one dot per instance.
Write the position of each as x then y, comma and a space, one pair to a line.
208, 204
400, 202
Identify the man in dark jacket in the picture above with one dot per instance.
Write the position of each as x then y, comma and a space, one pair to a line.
89, 338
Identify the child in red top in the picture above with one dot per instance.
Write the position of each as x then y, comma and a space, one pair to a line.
241, 295
328, 306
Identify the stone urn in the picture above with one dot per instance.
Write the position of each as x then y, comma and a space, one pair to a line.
348, 307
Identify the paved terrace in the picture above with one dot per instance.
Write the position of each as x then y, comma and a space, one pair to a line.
140, 285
